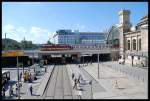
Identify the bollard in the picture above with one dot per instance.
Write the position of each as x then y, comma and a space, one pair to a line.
143, 79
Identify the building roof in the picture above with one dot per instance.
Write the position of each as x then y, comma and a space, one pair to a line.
143, 21
145, 17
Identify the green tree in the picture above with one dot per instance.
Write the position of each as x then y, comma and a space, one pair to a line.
48, 42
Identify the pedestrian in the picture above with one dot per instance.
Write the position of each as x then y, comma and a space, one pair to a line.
72, 75
79, 66
20, 76
3, 91
78, 80
75, 83
35, 78
29, 79
31, 89
16, 90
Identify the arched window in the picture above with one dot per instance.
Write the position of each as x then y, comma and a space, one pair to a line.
134, 44
128, 44
139, 44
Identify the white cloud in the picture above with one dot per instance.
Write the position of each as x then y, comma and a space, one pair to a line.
9, 28
34, 34
39, 35
38, 31
21, 30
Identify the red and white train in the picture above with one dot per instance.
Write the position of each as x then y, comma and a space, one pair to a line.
55, 47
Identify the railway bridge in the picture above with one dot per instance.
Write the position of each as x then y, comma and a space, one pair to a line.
77, 54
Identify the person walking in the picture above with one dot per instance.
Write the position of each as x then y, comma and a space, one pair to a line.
79, 66
75, 83
78, 80
20, 76
16, 90
3, 92
73, 75
31, 89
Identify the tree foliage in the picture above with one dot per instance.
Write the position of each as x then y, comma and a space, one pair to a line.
9, 44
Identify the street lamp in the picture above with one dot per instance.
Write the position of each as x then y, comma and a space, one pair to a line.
83, 60
91, 89
98, 65
18, 78
5, 42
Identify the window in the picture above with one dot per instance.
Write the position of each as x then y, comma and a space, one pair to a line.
139, 44
128, 44
134, 44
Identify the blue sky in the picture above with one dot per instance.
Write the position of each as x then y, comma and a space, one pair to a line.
38, 21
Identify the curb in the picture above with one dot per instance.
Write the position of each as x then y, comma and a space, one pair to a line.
48, 79
44, 83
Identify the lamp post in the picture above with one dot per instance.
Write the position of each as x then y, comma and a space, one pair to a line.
98, 65
91, 89
83, 60
28, 65
18, 78
5, 42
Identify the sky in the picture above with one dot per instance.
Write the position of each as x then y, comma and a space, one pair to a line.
38, 21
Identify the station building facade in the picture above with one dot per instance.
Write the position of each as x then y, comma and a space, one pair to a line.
132, 40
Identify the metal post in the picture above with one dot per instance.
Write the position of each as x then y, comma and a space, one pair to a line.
91, 91
83, 60
5, 42
33, 61
98, 66
18, 79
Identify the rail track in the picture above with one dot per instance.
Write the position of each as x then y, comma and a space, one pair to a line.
59, 86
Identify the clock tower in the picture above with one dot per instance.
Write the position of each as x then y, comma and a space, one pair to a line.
124, 26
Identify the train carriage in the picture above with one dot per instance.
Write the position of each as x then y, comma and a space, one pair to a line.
57, 47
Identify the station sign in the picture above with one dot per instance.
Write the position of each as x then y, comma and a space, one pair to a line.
13, 53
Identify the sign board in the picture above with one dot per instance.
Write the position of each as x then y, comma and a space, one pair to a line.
13, 53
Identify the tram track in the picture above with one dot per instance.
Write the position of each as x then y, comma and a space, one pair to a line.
59, 86
70, 93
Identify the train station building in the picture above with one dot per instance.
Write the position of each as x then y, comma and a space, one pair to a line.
131, 40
